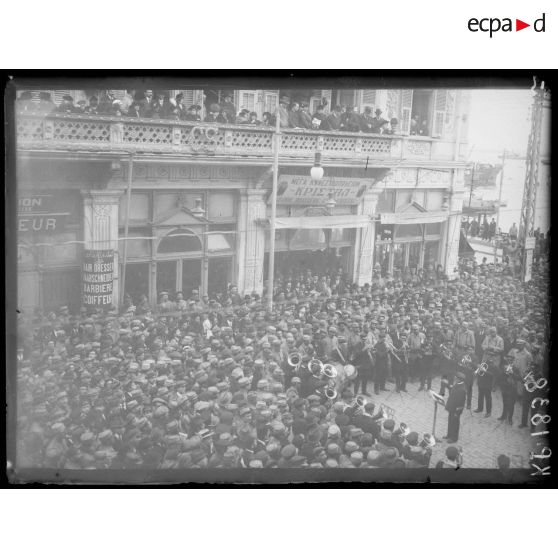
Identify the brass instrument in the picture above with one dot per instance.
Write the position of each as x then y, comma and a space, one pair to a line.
391, 349
480, 371
316, 367
404, 429
295, 360
465, 361
428, 441
330, 393
360, 402
329, 371
508, 370
343, 360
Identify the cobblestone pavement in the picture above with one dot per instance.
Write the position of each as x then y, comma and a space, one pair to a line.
482, 439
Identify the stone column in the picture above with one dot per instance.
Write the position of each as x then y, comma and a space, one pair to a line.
100, 226
450, 248
250, 243
364, 247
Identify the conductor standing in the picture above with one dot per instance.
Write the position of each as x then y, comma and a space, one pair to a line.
454, 406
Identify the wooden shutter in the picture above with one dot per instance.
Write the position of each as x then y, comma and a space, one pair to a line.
367, 99
406, 109
270, 101
439, 117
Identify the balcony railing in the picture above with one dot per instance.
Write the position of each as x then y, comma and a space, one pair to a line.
122, 134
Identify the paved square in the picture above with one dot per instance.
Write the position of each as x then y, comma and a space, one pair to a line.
482, 439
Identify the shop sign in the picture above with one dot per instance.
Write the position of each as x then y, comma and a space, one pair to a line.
40, 213
97, 278
304, 190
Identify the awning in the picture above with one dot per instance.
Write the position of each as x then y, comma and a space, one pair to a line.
411, 218
322, 222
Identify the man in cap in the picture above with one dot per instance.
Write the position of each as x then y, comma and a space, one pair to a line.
454, 406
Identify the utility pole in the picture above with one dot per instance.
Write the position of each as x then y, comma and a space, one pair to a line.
527, 223
499, 202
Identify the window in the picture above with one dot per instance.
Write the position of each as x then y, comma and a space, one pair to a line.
270, 102
433, 228
218, 275
431, 253
57, 248
180, 240
222, 205
137, 280
422, 110
406, 110
139, 208
137, 245
434, 200
386, 202
403, 231
62, 288
247, 100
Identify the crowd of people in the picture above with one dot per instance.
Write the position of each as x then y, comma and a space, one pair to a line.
204, 383
292, 113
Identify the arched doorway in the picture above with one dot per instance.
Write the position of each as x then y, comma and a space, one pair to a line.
179, 262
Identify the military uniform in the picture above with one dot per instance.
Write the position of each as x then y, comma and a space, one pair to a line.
454, 407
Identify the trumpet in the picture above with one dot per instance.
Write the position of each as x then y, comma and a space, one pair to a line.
480, 371
392, 350
295, 360
343, 360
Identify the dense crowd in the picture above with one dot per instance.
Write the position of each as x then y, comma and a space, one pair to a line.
197, 383
291, 113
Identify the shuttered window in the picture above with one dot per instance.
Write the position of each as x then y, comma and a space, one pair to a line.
440, 104
247, 100
270, 102
406, 109
367, 99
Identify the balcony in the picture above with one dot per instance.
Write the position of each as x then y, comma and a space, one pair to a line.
98, 135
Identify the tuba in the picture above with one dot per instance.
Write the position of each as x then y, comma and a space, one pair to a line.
294, 360
330, 393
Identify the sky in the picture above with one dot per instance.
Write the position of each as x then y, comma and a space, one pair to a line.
498, 120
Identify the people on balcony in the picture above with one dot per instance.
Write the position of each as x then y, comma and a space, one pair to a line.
295, 114
66, 106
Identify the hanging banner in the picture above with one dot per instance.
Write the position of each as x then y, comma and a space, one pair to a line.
97, 278
303, 190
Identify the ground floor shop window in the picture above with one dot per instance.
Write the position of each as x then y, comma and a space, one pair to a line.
166, 277
431, 253
219, 275
61, 288
414, 255
137, 280
191, 277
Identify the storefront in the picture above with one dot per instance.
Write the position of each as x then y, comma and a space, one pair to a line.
178, 242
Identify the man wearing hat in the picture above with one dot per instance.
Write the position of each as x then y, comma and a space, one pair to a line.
67, 105
453, 459
283, 111
454, 406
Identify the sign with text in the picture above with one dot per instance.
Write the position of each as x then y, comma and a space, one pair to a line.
40, 213
97, 275
304, 190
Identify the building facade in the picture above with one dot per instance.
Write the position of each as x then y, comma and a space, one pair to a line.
186, 205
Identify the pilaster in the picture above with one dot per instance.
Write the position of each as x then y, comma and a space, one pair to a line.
364, 248
251, 241
100, 226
